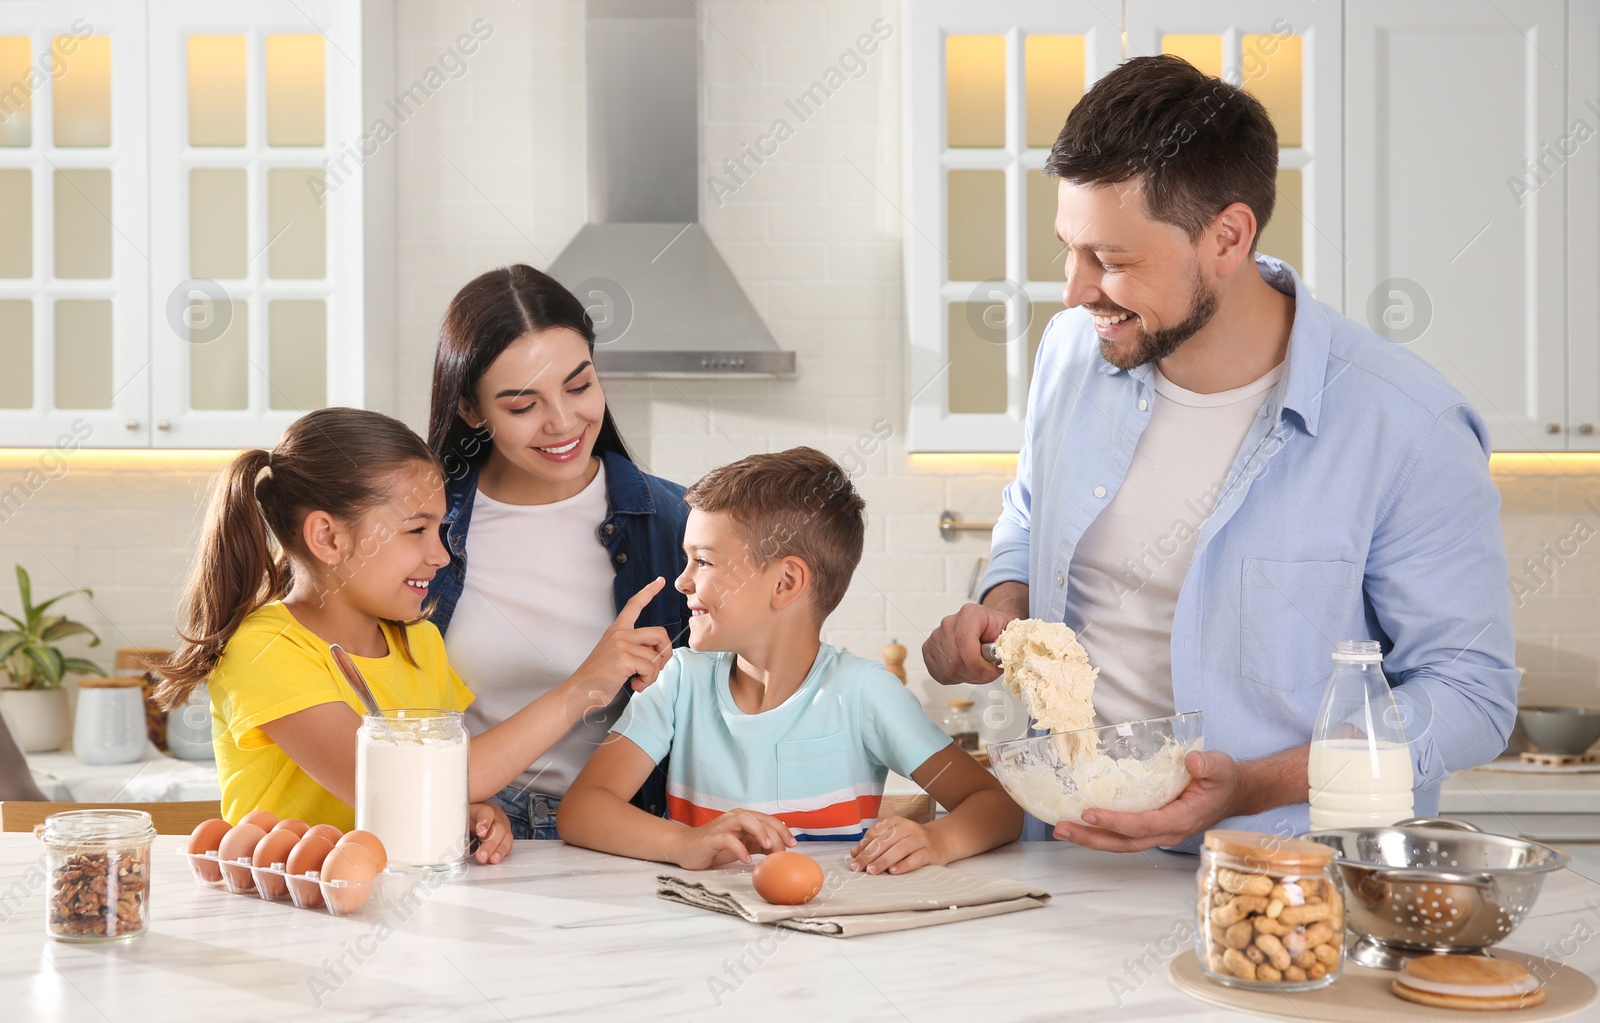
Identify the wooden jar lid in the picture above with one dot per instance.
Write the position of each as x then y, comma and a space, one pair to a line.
1270, 852
112, 682
136, 658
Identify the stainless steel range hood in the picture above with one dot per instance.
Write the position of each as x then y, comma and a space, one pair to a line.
663, 299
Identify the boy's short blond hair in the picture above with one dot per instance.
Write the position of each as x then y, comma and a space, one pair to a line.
795, 503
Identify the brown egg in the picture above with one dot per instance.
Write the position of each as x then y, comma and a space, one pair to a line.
307, 854
272, 851
204, 839
290, 824
239, 843
370, 842
788, 878
354, 866
266, 820
328, 831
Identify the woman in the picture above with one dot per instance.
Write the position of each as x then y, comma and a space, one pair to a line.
550, 526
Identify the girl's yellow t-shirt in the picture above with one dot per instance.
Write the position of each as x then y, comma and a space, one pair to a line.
274, 666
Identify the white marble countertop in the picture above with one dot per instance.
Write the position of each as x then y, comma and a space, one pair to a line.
557, 932
152, 778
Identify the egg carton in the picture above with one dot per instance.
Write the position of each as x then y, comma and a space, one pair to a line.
275, 884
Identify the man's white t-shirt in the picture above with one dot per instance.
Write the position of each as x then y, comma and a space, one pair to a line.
537, 598
1127, 570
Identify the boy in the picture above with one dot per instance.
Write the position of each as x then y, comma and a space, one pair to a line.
774, 736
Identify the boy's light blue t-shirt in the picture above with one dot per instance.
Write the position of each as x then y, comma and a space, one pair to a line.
817, 762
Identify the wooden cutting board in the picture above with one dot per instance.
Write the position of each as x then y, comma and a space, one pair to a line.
1362, 995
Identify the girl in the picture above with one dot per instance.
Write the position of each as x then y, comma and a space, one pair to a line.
564, 527
333, 537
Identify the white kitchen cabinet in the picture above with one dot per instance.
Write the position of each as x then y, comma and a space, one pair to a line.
211, 264
1578, 149
1447, 107
74, 264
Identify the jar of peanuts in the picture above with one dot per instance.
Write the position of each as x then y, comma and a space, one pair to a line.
1271, 913
99, 874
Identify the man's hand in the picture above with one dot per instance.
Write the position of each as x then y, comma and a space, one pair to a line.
489, 826
953, 652
896, 845
733, 836
1214, 780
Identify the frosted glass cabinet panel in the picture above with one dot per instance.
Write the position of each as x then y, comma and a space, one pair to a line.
975, 82
977, 224
219, 215
977, 360
83, 336
297, 354
16, 222
1053, 67
16, 103
82, 100
83, 223
296, 90
16, 353
216, 87
219, 355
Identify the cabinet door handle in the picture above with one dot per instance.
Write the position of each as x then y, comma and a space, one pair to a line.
1552, 428
1586, 428
130, 424
162, 424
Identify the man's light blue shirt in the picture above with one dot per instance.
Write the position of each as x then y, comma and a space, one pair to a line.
1359, 507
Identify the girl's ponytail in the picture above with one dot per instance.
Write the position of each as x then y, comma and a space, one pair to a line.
236, 572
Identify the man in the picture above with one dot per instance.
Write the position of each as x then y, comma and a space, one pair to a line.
1221, 477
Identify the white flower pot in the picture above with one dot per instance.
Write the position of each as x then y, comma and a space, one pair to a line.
40, 720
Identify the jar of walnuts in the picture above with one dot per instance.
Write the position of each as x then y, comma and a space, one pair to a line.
99, 874
1271, 913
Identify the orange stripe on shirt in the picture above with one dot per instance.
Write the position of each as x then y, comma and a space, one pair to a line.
838, 815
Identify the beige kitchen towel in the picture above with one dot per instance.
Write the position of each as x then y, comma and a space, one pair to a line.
852, 903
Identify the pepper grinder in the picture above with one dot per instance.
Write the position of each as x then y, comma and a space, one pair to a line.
894, 658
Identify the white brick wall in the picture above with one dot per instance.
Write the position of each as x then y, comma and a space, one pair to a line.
491, 170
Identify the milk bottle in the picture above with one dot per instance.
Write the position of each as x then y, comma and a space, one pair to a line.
1360, 768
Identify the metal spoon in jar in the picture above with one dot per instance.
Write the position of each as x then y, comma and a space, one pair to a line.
352, 675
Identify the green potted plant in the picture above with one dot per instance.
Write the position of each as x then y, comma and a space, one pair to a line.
34, 704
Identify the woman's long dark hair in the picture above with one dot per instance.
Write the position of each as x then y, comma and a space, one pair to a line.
484, 318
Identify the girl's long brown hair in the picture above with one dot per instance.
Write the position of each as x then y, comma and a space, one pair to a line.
339, 460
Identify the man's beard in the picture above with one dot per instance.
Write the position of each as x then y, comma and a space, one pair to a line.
1150, 347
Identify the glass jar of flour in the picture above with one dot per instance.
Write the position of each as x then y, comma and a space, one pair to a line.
411, 786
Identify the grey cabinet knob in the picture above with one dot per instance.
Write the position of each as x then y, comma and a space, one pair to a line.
1552, 428
130, 424
162, 424
1586, 428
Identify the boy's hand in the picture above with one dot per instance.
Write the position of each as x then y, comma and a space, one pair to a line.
489, 827
896, 846
625, 652
733, 836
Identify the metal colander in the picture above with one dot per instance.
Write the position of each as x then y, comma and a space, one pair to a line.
1430, 885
